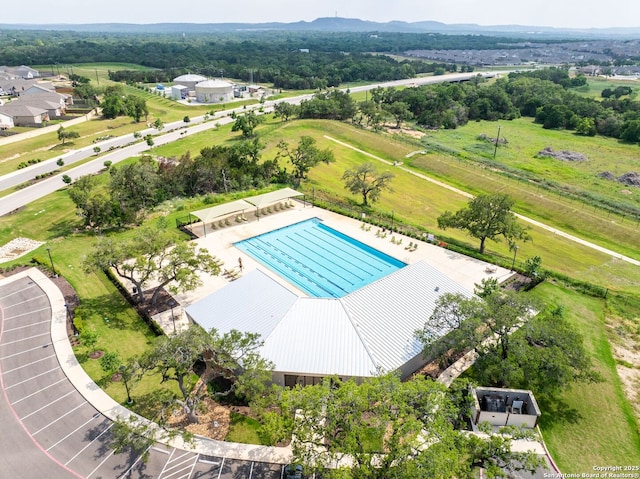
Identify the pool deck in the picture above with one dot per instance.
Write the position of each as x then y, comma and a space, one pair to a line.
464, 270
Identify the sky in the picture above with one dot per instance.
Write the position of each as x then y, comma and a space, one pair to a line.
554, 13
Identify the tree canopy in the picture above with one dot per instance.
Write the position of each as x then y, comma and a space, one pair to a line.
304, 156
383, 428
365, 180
486, 217
151, 255
230, 359
542, 353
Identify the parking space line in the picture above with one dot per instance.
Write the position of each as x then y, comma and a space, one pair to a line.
59, 418
29, 364
47, 405
26, 339
31, 312
193, 466
251, 470
126, 473
57, 368
27, 325
180, 464
221, 467
85, 447
24, 351
39, 391
100, 465
163, 451
71, 433
20, 291
168, 461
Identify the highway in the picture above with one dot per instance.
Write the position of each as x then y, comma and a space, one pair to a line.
174, 131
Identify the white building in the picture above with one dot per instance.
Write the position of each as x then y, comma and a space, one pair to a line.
6, 121
189, 80
179, 92
356, 336
214, 91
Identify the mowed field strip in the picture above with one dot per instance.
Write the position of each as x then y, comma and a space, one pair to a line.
469, 195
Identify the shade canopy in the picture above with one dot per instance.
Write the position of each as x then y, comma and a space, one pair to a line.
210, 214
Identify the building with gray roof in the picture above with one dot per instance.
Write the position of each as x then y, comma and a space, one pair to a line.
367, 331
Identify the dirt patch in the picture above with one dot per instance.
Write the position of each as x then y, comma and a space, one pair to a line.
627, 179
630, 179
564, 155
412, 133
213, 420
627, 358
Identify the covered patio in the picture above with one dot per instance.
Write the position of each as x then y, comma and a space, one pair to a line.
255, 204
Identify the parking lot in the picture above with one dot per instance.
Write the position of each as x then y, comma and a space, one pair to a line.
48, 427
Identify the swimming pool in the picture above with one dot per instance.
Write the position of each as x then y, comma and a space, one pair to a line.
318, 259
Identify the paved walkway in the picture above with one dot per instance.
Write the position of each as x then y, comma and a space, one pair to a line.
113, 410
469, 195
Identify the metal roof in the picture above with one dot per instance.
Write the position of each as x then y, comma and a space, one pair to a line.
315, 337
214, 84
253, 303
370, 329
389, 311
209, 214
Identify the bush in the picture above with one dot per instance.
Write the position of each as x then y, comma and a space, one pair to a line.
78, 322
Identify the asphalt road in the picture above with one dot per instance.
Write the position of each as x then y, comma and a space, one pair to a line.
48, 429
174, 132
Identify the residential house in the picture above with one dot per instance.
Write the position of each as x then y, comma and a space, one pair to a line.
24, 115
6, 121
22, 71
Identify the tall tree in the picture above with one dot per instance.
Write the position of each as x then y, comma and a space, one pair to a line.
304, 156
284, 110
400, 112
64, 135
367, 181
231, 357
543, 353
383, 428
151, 254
136, 107
94, 203
486, 217
247, 123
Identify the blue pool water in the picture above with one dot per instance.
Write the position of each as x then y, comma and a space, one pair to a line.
318, 259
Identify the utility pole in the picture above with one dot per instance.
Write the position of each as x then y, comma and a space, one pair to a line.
495, 150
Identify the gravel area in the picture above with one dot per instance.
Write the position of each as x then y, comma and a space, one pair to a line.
17, 247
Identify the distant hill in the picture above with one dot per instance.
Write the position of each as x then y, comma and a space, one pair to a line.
337, 24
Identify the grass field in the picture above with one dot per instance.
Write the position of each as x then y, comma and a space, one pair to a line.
415, 201
419, 202
588, 423
594, 86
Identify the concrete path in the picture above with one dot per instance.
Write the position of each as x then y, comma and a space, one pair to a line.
113, 410
469, 195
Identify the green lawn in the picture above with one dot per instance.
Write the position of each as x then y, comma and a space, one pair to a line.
588, 424
53, 219
244, 429
413, 200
